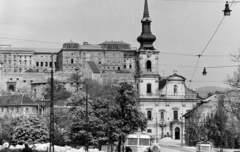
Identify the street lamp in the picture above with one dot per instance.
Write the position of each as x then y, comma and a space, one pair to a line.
204, 72
227, 10
181, 131
162, 125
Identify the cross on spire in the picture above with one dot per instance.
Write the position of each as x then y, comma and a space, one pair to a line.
146, 12
175, 71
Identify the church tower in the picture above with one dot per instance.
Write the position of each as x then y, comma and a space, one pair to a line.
147, 75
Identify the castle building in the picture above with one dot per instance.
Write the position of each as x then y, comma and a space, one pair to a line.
163, 99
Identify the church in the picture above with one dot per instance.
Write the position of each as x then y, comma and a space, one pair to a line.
164, 100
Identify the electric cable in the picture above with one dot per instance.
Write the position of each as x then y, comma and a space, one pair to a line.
207, 46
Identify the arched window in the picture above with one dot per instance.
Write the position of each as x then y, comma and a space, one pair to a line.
175, 89
11, 88
149, 65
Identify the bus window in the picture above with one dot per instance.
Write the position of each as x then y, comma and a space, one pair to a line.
132, 141
144, 142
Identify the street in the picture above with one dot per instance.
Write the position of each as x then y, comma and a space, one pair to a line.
166, 148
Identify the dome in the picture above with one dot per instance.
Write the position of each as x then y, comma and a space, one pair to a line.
71, 44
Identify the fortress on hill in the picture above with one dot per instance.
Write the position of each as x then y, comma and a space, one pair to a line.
23, 69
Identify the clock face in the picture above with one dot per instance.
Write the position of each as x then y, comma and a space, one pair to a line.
149, 53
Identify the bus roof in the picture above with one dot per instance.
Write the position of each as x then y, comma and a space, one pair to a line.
139, 135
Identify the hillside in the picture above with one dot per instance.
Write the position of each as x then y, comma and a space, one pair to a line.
203, 91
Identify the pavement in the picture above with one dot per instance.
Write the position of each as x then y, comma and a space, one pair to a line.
177, 143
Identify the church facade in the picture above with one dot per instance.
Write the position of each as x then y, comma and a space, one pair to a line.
164, 100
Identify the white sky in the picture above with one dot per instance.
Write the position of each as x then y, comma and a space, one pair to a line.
183, 27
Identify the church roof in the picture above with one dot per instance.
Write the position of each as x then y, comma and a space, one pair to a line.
176, 77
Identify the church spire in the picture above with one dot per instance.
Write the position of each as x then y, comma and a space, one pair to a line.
146, 38
146, 13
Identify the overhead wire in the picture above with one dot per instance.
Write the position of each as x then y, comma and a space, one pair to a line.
207, 46
30, 40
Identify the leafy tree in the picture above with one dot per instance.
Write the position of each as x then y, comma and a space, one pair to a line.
127, 110
77, 79
119, 107
60, 93
7, 125
30, 130
219, 128
195, 126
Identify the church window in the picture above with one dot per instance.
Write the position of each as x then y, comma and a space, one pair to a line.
175, 89
149, 65
175, 115
162, 115
149, 115
149, 88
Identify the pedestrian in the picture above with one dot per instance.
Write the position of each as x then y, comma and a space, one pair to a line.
27, 148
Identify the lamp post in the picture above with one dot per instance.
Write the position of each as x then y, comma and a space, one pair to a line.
86, 142
162, 125
52, 112
181, 131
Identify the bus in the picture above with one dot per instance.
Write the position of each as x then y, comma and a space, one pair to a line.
140, 142
204, 146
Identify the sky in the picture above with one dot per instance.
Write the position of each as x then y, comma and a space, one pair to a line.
181, 27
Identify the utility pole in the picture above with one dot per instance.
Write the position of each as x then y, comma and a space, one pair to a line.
181, 131
52, 112
86, 142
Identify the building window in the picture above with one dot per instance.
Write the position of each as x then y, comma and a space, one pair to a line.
99, 62
130, 66
149, 131
149, 88
41, 64
149, 65
72, 61
26, 109
118, 68
17, 110
175, 89
50, 64
46, 64
149, 115
24, 80
175, 115
124, 66
162, 115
